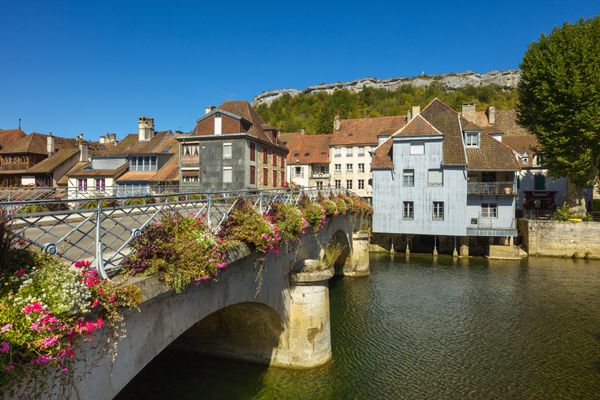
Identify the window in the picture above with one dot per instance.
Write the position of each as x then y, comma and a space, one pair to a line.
435, 177
438, 211
227, 175
539, 182
142, 163
489, 210
298, 172
408, 210
191, 179
338, 167
408, 177
319, 185
361, 151
361, 167
282, 178
349, 151
190, 149
349, 184
417, 148
282, 161
227, 151
472, 139
338, 184
275, 159
265, 157
82, 184
361, 183
349, 168
100, 184
274, 178
265, 177
252, 152
338, 152
252, 175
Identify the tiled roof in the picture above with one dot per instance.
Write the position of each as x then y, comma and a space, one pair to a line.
366, 130
523, 144
491, 156
10, 136
100, 172
308, 149
506, 121
418, 126
132, 145
136, 176
445, 119
64, 180
57, 159
37, 143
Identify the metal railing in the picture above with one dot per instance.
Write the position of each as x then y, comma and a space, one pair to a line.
101, 229
493, 188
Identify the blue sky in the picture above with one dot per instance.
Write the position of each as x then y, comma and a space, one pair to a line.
94, 67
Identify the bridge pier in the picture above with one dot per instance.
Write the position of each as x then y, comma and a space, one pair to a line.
308, 333
357, 263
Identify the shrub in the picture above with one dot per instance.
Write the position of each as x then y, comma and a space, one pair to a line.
341, 206
563, 213
244, 224
330, 207
179, 249
94, 204
288, 218
314, 214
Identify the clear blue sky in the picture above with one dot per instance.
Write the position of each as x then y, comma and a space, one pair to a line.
94, 67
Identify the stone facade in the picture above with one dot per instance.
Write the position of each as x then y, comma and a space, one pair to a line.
561, 239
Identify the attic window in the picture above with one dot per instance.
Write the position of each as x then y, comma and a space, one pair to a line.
472, 139
306, 154
296, 154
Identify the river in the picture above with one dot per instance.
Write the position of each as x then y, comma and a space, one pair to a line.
418, 329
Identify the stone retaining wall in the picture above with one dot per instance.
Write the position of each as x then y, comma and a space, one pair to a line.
560, 239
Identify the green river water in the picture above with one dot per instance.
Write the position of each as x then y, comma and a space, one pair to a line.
417, 329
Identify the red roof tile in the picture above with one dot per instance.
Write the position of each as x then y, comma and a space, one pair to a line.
366, 130
308, 149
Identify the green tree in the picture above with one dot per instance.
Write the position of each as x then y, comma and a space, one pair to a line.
559, 100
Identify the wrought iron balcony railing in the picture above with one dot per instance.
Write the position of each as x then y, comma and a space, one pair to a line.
493, 188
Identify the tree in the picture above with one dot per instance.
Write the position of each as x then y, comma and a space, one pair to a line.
559, 100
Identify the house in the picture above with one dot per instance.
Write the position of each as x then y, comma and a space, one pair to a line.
442, 175
20, 159
141, 163
350, 150
308, 159
232, 148
539, 194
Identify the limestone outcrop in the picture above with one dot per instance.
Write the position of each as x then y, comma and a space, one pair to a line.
506, 79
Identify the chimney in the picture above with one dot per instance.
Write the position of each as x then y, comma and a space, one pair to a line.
218, 123
413, 112
469, 113
111, 138
84, 151
145, 128
50, 144
302, 131
208, 109
336, 122
491, 115
102, 139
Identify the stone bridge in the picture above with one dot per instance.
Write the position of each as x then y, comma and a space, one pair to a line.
282, 321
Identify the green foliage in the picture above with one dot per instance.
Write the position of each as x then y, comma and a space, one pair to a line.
559, 99
315, 112
314, 214
332, 253
563, 213
288, 218
246, 225
42, 207
329, 206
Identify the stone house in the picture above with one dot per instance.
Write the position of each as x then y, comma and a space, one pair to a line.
231, 148
442, 175
308, 159
350, 150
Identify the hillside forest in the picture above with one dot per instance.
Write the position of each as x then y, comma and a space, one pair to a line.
315, 112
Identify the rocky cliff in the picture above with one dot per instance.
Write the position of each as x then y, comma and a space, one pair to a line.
506, 79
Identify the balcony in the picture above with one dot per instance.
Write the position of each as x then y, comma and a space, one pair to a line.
319, 175
189, 160
492, 188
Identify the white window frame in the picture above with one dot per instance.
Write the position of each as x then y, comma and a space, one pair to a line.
469, 142
227, 151
349, 168
349, 151
438, 211
230, 171
337, 152
489, 210
361, 151
429, 181
408, 210
417, 148
338, 168
361, 183
361, 167
349, 184
408, 173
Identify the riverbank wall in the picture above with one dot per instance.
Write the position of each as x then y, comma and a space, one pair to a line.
560, 238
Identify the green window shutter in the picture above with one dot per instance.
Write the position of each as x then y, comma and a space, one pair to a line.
539, 182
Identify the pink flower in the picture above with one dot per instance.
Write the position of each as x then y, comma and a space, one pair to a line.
43, 359
4, 347
222, 265
94, 303
6, 328
49, 341
64, 371
82, 264
276, 250
8, 367
67, 352
20, 272
36, 306
111, 298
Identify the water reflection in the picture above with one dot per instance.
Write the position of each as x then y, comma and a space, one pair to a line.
453, 329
